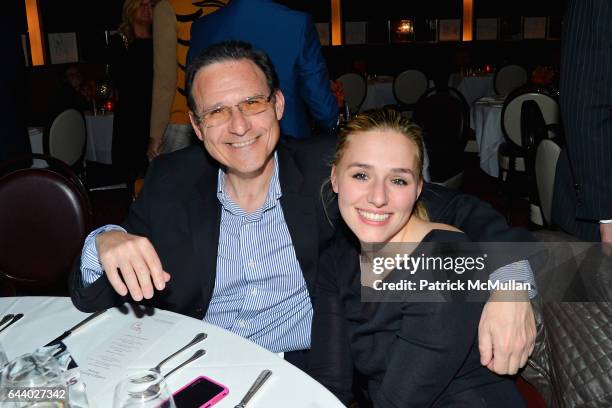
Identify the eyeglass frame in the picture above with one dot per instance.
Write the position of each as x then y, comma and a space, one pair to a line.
199, 119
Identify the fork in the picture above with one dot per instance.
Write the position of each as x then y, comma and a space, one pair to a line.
154, 389
157, 369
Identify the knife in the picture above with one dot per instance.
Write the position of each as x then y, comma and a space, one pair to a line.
75, 327
6, 319
13, 320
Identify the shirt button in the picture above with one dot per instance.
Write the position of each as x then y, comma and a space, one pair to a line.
254, 292
252, 263
241, 323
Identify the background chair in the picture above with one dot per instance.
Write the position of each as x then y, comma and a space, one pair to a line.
547, 155
536, 121
508, 78
66, 139
44, 219
355, 89
443, 114
408, 87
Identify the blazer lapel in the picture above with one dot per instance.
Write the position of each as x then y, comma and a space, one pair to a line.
205, 217
300, 216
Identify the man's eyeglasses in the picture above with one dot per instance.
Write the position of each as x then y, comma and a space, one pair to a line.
220, 115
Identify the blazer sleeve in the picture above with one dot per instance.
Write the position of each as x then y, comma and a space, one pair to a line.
423, 362
330, 361
314, 79
477, 219
100, 294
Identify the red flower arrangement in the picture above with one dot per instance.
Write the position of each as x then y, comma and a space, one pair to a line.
542, 76
338, 91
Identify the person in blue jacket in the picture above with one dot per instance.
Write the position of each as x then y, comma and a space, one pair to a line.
290, 39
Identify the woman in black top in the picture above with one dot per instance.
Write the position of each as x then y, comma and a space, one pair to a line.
131, 71
413, 354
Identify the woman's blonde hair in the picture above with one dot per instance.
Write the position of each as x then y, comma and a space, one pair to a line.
128, 15
385, 119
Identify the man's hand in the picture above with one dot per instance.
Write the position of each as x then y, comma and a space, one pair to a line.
606, 238
131, 264
154, 148
506, 334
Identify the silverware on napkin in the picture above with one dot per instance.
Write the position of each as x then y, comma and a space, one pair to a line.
13, 320
261, 379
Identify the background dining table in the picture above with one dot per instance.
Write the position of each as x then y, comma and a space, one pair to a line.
486, 121
99, 138
230, 359
472, 87
379, 93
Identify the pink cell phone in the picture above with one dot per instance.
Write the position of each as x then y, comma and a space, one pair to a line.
202, 392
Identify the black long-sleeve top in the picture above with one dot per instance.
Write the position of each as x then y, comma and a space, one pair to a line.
413, 354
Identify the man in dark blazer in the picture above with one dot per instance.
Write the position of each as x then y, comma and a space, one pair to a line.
582, 202
290, 39
188, 243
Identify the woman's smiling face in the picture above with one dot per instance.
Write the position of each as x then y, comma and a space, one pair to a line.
378, 183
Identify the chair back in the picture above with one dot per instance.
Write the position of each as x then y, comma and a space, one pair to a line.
409, 85
511, 113
547, 155
355, 89
67, 137
508, 78
443, 114
44, 220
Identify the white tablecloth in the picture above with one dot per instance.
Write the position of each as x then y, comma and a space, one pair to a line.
472, 87
36, 143
380, 93
230, 359
99, 138
486, 122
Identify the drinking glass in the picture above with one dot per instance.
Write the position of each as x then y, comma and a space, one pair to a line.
132, 392
33, 370
3, 358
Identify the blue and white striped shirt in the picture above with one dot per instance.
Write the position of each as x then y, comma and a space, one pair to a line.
260, 292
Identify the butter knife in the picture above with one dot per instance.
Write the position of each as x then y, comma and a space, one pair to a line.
263, 377
12, 321
75, 327
6, 319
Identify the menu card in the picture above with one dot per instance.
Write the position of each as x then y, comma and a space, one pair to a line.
107, 363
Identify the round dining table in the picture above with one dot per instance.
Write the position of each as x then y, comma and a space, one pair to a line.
230, 359
472, 87
486, 122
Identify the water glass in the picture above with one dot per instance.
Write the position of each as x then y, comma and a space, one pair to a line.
3, 358
133, 392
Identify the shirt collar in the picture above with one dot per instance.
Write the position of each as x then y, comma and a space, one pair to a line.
274, 193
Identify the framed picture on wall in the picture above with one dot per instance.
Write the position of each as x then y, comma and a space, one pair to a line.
554, 28
323, 30
449, 29
63, 48
25, 46
486, 29
378, 32
355, 32
534, 28
511, 28
426, 29
402, 30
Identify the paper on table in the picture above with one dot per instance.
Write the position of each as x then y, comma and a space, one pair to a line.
107, 362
